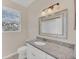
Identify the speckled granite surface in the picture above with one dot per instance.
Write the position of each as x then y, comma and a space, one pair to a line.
54, 49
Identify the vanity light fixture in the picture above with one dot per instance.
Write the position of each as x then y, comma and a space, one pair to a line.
49, 9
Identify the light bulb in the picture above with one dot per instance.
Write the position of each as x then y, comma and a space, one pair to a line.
43, 13
49, 11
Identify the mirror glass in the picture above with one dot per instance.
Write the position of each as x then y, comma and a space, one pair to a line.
54, 25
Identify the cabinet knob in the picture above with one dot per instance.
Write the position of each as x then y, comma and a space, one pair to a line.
33, 54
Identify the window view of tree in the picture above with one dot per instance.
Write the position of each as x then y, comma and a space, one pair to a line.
10, 19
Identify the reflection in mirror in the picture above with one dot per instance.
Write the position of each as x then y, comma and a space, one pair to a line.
54, 25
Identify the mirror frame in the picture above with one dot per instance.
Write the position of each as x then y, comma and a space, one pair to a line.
64, 14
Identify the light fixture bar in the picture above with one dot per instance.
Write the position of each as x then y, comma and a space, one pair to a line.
52, 6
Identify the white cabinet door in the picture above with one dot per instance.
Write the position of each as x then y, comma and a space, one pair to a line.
38, 54
50, 57
34, 53
29, 54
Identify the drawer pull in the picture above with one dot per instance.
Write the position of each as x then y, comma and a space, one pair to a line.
33, 54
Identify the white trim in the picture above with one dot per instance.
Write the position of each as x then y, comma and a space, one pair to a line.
10, 55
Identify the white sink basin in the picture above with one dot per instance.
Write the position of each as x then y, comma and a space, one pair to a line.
39, 43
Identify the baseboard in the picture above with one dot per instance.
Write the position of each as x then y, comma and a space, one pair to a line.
10, 55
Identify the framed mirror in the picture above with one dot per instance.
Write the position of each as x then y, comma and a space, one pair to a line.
54, 25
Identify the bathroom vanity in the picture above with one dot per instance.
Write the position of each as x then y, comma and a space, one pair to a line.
49, 50
34, 53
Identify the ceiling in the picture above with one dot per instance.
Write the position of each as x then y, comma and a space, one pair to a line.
24, 3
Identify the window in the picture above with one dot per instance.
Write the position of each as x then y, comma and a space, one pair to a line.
11, 19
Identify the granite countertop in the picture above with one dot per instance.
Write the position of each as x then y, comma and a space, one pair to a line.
54, 49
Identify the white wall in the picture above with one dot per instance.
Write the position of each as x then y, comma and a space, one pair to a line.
35, 9
11, 41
